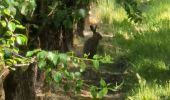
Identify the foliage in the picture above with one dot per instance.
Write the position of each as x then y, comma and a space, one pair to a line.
132, 9
10, 36
99, 93
58, 68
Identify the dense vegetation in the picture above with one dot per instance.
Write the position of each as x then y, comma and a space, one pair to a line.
37, 36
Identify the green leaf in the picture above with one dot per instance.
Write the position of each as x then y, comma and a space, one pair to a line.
106, 59
42, 64
53, 57
42, 55
63, 58
11, 26
16, 21
24, 9
67, 74
57, 77
85, 55
3, 23
96, 64
20, 60
21, 39
95, 57
20, 26
7, 12
93, 91
77, 74
10, 62
103, 92
8, 33
31, 53
103, 83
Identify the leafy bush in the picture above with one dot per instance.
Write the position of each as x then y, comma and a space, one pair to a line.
10, 37
57, 67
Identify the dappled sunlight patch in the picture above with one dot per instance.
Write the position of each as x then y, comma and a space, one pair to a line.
165, 14
108, 11
151, 91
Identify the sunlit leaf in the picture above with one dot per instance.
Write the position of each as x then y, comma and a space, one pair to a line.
103, 83
11, 26
3, 23
20, 26
21, 39
103, 92
7, 12
23, 9
31, 53
63, 58
53, 57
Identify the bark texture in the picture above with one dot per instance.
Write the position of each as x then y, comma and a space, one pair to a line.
20, 85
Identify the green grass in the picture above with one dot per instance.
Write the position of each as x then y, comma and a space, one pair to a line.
151, 91
146, 45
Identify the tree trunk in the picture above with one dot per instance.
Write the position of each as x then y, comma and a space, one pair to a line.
3, 75
20, 85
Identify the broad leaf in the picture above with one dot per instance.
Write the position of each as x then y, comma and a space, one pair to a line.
3, 23
20, 26
8, 33
53, 57
103, 83
21, 39
103, 92
7, 12
42, 55
31, 53
11, 26
42, 64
